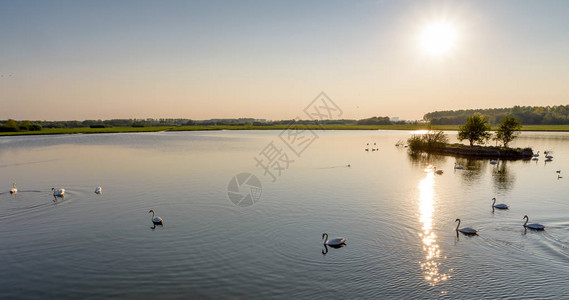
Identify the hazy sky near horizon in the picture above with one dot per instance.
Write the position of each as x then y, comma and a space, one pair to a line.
77, 60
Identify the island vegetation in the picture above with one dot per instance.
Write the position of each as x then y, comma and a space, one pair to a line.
477, 131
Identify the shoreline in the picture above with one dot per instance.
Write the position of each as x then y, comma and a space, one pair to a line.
87, 130
483, 152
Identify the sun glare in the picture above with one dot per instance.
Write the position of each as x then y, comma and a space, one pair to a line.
438, 38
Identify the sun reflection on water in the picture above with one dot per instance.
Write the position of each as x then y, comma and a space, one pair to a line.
431, 264
419, 132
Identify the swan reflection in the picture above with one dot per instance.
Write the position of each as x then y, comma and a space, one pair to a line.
55, 198
431, 264
325, 250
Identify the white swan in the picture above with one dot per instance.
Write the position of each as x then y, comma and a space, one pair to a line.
58, 192
500, 206
494, 162
14, 189
339, 241
465, 230
535, 226
548, 156
98, 190
440, 172
536, 154
156, 220
458, 167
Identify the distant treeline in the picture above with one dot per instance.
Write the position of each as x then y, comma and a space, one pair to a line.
527, 115
12, 125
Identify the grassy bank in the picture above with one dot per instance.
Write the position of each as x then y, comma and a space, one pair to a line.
87, 130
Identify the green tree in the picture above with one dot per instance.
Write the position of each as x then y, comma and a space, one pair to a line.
475, 130
24, 125
11, 124
508, 130
35, 127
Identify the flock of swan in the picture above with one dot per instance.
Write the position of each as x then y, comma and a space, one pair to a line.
535, 156
57, 192
334, 242
341, 241
548, 156
374, 148
472, 231
535, 226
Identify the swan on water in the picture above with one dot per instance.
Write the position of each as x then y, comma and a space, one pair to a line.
156, 220
535, 226
98, 190
494, 162
458, 167
58, 192
465, 230
338, 241
440, 172
536, 154
500, 206
14, 189
548, 156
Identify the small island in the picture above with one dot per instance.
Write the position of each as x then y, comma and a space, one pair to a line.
484, 151
477, 131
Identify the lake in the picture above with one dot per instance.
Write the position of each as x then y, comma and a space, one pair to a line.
398, 218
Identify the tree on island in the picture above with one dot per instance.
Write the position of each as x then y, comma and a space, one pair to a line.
508, 130
475, 130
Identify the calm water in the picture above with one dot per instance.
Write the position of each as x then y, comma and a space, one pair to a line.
398, 219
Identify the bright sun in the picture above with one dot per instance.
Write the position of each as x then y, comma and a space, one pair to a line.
438, 38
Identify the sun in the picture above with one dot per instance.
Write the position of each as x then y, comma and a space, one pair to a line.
438, 38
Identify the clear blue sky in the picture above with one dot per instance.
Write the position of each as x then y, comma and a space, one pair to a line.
63, 60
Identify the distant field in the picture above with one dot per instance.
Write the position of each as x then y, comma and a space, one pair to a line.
545, 128
268, 127
87, 130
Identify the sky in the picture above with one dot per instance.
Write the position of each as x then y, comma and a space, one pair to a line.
107, 59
